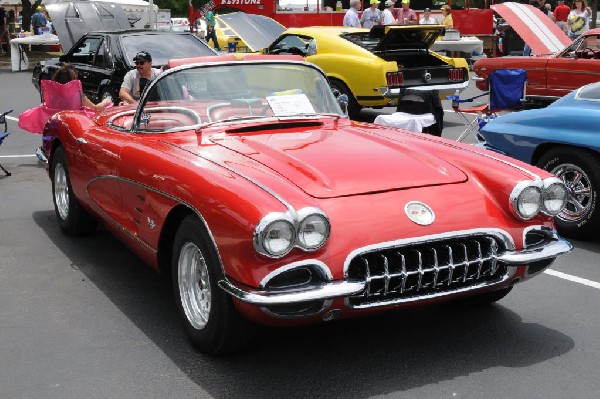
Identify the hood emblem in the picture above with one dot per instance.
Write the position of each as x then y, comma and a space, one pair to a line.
419, 213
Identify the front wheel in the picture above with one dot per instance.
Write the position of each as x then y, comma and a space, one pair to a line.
208, 313
72, 218
580, 171
338, 88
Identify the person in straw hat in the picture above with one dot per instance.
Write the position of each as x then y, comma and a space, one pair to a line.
447, 16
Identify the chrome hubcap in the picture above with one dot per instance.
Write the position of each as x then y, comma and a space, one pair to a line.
194, 285
580, 191
61, 191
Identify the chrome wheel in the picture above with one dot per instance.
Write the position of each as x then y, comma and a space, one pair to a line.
61, 191
580, 191
194, 285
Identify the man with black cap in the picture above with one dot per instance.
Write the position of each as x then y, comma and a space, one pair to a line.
136, 80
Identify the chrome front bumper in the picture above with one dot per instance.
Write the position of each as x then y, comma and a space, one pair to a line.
445, 89
549, 249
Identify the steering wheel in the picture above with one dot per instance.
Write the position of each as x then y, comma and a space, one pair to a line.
295, 50
590, 53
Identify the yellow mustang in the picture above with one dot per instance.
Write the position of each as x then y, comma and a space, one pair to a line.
372, 66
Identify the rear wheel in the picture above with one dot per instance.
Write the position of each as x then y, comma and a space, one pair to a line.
72, 218
580, 171
208, 313
338, 88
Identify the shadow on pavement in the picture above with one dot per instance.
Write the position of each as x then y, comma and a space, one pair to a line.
351, 359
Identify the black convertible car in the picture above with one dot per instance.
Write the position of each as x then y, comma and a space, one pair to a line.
103, 58
102, 45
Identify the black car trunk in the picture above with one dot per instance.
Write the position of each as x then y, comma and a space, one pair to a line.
415, 64
408, 46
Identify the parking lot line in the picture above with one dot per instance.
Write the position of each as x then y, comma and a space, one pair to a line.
574, 279
17, 156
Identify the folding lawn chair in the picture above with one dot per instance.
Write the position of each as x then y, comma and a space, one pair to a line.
507, 89
3, 135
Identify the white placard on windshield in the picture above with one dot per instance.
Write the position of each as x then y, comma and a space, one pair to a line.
290, 104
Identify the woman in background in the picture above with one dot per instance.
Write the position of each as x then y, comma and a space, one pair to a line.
447, 16
579, 19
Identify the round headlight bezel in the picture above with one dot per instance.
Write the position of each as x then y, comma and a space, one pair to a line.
265, 227
519, 194
306, 216
550, 184
295, 221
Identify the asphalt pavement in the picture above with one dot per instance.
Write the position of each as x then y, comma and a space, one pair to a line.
85, 318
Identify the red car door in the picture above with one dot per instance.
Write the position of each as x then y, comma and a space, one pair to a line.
94, 174
567, 74
576, 66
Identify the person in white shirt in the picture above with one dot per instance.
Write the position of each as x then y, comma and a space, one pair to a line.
386, 16
351, 17
427, 19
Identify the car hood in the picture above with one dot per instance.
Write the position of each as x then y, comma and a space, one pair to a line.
257, 31
326, 164
535, 28
73, 19
415, 37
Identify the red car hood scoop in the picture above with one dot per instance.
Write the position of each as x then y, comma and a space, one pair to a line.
328, 164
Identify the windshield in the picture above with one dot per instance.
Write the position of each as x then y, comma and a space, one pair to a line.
234, 92
165, 47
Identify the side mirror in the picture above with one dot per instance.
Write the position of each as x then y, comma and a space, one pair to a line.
343, 103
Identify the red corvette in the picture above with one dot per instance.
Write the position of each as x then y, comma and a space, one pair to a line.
245, 182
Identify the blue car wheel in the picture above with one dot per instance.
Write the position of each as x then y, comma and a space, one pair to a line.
579, 169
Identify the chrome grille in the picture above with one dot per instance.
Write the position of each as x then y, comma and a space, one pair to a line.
421, 270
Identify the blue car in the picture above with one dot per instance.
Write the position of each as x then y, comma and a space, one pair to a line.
563, 138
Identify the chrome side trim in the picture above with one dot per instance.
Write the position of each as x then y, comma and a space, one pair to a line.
330, 290
135, 237
473, 148
206, 157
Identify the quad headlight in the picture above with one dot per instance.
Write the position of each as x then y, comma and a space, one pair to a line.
278, 233
555, 196
313, 231
278, 237
531, 197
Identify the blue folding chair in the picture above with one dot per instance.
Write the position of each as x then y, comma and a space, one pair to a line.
507, 91
3, 135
